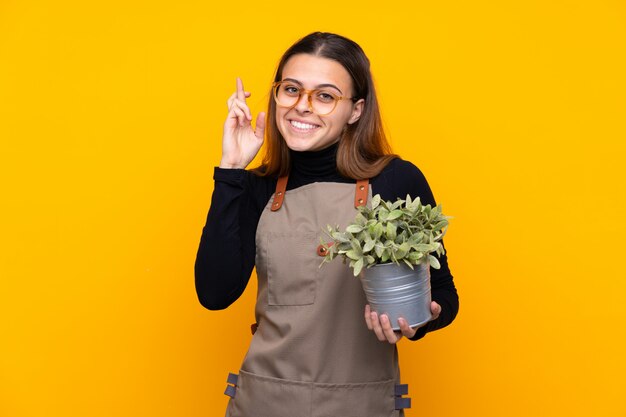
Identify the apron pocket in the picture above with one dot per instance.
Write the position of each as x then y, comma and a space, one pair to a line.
292, 268
371, 399
261, 396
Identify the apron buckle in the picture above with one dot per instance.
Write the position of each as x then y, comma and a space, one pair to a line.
231, 388
402, 402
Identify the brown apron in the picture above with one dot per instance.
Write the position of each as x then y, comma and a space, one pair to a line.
312, 354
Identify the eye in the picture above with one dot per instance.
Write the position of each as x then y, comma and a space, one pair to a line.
325, 96
291, 90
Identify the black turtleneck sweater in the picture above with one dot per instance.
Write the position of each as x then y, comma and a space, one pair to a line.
226, 255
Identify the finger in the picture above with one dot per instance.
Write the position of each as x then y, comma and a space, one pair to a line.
406, 329
390, 335
232, 98
239, 114
376, 327
435, 309
259, 130
368, 319
243, 106
232, 115
241, 95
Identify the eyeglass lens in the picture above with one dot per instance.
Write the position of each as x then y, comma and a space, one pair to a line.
322, 101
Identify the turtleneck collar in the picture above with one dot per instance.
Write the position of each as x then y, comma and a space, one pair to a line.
315, 164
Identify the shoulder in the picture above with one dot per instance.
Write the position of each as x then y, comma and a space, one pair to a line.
402, 167
399, 178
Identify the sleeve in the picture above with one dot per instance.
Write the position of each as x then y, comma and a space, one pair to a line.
408, 179
226, 253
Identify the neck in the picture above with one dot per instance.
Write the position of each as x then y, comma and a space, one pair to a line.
315, 164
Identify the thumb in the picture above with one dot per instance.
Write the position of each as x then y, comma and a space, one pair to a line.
259, 130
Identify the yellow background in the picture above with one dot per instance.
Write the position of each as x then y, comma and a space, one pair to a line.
110, 125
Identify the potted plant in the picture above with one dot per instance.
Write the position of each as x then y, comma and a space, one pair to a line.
390, 245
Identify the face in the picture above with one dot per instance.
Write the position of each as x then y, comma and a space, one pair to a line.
302, 129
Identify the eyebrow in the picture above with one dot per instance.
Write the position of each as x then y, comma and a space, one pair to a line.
318, 86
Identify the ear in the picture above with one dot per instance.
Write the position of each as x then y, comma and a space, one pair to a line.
356, 111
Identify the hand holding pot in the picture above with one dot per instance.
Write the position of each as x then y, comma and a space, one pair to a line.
383, 328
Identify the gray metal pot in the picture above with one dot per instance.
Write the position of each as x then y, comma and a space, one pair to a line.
399, 291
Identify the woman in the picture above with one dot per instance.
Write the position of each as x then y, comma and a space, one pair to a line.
317, 349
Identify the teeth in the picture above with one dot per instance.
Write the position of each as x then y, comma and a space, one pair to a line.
305, 126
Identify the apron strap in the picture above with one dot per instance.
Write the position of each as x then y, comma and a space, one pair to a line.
279, 194
360, 194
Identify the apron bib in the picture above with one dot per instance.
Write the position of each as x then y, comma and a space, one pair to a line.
312, 354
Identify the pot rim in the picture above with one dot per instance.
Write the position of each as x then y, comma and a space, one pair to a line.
420, 265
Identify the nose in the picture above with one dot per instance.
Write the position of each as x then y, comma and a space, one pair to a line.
303, 105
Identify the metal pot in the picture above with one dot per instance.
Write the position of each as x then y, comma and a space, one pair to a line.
399, 291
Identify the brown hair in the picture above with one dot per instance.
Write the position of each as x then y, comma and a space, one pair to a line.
363, 148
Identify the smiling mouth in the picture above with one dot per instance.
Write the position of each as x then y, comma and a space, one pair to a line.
302, 127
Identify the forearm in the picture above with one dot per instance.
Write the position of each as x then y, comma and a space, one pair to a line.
443, 293
225, 255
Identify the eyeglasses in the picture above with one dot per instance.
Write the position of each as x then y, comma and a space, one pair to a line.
321, 101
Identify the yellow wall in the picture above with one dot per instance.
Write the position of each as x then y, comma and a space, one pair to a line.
110, 125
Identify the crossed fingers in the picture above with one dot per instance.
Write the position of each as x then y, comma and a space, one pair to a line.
237, 104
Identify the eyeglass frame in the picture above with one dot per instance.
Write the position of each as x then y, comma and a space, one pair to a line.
309, 95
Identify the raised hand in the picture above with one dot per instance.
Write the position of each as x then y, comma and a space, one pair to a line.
241, 143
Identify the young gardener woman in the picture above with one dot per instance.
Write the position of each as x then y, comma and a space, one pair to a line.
317, 350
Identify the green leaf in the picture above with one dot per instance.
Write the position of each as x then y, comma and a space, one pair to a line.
356, 246
415, 256
385, 257
358, 265
397, 204
434, 262
383, 214
369, 245
396, 214
360, 219
354, 228
353, 255
339, 237
379, 230
378, 249
440, 225
403, 249
424, 247
391, 231
416, 238
375, 201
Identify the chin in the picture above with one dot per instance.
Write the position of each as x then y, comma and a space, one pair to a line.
306, 144
299, 145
